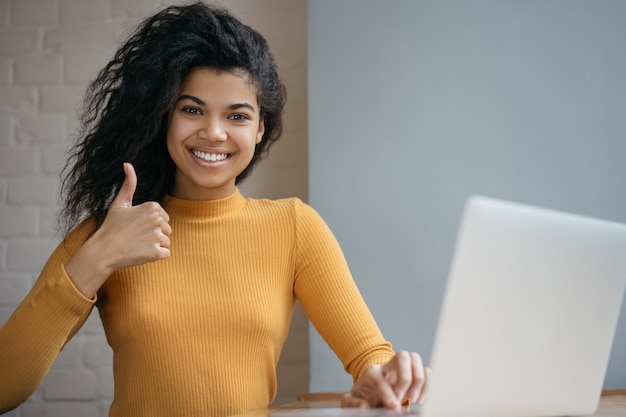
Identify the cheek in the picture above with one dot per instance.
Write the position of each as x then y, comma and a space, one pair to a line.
169, 142
175, 147
176, 135
170, 150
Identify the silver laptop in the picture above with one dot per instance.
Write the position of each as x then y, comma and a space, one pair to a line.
528, 318
529, 314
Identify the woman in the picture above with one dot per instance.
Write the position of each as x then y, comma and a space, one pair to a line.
195, 284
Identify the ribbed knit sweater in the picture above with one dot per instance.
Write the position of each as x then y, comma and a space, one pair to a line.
199, 333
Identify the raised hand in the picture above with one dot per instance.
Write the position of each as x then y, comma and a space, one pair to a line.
130, 235
134, 234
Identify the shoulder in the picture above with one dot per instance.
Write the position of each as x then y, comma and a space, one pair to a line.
291, 204
292, 209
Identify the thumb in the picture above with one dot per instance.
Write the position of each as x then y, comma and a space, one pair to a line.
124, 197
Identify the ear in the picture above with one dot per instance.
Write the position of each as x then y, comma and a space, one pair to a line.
261, 131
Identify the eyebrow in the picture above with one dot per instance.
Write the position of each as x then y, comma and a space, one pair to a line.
201, 102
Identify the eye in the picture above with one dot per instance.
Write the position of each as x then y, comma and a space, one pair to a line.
192, 110
239, 117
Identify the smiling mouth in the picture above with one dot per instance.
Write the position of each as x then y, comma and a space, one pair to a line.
209, 157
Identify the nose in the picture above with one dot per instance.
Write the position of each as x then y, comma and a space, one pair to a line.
213, 130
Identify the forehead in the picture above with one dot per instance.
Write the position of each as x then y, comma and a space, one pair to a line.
213, 82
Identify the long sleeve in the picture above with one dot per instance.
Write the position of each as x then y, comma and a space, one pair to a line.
42, 324
332, 300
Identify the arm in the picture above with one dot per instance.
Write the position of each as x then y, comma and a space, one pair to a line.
332, 301
42, 324
65, 292
130, 235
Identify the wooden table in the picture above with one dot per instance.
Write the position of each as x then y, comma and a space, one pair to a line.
612, 402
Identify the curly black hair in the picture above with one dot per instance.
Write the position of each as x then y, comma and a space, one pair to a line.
125, 111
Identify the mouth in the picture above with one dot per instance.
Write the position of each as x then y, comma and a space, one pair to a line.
209, 157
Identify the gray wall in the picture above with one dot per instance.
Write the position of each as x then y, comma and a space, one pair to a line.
415, 105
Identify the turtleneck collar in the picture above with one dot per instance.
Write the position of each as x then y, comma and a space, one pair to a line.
193, 209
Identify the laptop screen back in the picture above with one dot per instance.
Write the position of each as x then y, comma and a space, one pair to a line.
529, 314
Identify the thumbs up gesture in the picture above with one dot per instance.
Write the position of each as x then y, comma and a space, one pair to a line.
141, 233
130, 235
126, 192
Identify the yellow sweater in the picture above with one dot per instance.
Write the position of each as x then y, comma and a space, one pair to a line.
200, 333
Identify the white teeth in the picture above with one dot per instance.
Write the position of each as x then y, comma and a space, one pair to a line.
209, 157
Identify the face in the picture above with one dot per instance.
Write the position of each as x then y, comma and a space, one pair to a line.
214, 126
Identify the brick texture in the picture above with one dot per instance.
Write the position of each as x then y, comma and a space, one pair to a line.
49, 50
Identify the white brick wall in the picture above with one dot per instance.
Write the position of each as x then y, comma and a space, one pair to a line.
49, 49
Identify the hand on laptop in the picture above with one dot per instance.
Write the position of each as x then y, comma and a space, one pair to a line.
402, 378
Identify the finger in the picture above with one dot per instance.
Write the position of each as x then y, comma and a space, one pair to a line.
166, 228
349, 400
162, 218
161, 247
422, 395
400, 374
124, 197
165, 242
418, 377
163, 252
156, 215
155, 209
165, 216
383, 392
